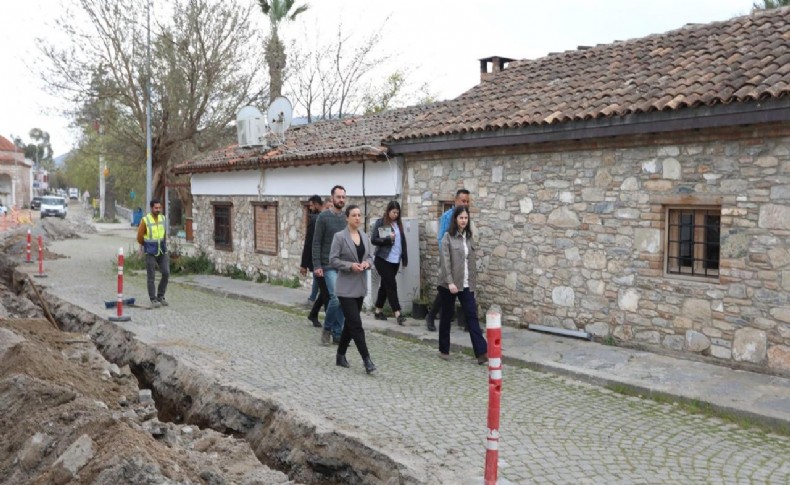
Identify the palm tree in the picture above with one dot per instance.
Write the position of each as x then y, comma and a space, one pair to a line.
277, 11
770, 4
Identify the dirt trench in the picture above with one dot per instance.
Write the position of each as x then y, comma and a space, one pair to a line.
198, 420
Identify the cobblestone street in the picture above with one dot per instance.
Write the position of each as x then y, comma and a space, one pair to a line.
419, 408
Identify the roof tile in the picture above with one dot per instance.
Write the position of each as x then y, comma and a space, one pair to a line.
743, 59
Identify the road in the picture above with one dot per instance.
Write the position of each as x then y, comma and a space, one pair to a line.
429, 412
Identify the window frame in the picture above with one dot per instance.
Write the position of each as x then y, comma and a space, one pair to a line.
266, 205
444, 205
223, 205
699, 243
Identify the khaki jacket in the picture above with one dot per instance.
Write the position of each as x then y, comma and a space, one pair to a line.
451, 262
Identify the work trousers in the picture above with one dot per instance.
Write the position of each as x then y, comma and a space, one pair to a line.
151, 262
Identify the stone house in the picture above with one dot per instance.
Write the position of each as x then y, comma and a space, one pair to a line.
249, 203
638, 190
15, 175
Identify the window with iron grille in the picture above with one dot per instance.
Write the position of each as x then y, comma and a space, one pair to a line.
445, 205
693, 238
223, 238
265, 221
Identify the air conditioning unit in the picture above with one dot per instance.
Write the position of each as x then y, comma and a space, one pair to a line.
250, 127
408, 278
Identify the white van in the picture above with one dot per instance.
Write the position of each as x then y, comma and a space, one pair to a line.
74, 193
52, 205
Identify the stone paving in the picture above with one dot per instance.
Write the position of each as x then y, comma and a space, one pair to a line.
419, 408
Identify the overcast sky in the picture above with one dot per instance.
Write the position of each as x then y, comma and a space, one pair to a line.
439, 41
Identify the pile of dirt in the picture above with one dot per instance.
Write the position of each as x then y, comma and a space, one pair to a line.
70, 416
14, 242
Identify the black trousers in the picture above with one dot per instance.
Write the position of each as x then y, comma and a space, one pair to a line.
352, 330
323, 298
436, 307
388, 289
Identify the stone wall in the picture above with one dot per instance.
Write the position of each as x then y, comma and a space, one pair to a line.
291, 233
573, 236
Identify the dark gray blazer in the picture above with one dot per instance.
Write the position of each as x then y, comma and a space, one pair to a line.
342, 254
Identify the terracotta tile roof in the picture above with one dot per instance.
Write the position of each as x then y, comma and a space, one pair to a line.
8, 150
743, 59
324, 142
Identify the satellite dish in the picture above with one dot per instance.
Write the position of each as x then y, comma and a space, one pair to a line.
279, 115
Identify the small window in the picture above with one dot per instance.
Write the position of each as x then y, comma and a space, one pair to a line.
223, 236
445, 205
265, 221
693, 237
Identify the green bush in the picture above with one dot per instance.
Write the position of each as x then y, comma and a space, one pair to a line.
236, 273
133, 260
288, 283
198, 264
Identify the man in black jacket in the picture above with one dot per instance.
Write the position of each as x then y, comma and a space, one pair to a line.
314, 206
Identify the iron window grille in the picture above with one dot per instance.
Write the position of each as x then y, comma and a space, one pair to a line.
693, 240
223, 238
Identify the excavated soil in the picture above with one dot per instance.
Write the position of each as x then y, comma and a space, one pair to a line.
68, 415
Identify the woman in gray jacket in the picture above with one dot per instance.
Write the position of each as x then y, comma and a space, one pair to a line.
457, 278
351, 254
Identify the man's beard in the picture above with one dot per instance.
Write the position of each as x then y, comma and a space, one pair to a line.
338, 205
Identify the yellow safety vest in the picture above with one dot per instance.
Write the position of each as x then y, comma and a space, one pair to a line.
154, 242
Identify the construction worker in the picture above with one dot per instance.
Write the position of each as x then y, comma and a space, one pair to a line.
152, 237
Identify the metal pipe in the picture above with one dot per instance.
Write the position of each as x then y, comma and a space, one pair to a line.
561, 331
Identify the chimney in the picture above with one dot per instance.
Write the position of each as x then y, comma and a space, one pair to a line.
497, 65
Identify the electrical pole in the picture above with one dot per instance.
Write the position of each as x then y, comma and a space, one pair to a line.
148, 161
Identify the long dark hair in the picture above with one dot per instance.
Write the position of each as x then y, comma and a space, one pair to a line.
386, 219
454, 224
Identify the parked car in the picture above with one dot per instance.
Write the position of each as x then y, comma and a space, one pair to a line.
54, 206
35, 204
3, 209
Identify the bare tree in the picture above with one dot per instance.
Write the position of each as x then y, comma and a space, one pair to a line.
202, 72
328, 80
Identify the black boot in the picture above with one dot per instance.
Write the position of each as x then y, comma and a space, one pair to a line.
341, 361
369, 365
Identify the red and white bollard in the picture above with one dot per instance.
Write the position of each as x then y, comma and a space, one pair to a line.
120, 317
494, 337
40, 258
28, 260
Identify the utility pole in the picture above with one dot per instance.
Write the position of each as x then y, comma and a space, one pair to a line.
101, 173
148, 161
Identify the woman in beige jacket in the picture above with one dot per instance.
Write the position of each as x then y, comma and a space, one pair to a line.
457, 279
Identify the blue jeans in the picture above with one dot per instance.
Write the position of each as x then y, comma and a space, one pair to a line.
334, 314
314, 289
